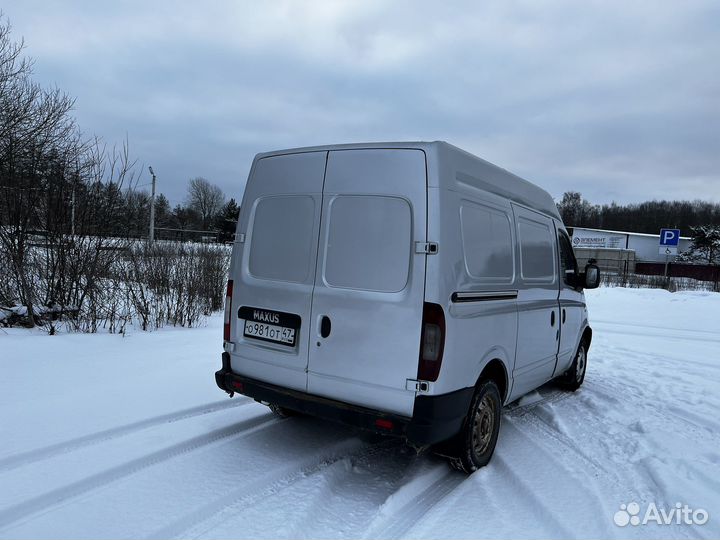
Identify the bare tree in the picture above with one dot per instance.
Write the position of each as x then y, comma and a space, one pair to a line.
35, 132
60, 196
205, 198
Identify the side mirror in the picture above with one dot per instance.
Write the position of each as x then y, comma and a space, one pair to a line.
591, 277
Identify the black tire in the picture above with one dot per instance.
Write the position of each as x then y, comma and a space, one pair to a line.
475, 444
282, 412
573, 378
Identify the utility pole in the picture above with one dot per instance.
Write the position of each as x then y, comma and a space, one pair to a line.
72, 214
152, 207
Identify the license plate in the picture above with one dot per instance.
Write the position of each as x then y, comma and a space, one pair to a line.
268, 325
270, 332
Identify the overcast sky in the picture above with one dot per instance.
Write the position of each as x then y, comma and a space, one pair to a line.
617, 100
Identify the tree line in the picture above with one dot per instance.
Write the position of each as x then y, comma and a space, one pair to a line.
645, 217
204, 210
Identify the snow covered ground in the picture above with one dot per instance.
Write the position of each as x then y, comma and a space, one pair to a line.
111, 437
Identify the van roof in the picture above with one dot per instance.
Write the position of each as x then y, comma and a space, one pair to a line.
456, 166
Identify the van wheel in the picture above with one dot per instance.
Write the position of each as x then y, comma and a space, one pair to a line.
575, 375
476, 441
281, 412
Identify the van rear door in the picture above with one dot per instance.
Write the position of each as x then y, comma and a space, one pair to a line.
274, 269
369, 286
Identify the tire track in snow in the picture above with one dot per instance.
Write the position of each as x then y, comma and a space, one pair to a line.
532, 412
654, 327
541, 418
705, 424
551, 431
565, 440
56, 497
392, 522
593, 481
364, 484
677, 335
535, 502
209, 516
18, 460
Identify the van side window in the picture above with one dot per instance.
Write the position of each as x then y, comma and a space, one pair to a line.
568, 263
368, 243
537, 256
282, 238
487, 243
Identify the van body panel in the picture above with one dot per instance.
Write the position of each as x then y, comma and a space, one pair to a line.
370, 281
458, 168
274, 268
480, 328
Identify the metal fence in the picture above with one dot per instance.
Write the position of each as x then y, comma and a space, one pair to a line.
614, 273
618, 268
610, 261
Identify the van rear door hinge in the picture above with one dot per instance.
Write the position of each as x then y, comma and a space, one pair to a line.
421, 387
429, 248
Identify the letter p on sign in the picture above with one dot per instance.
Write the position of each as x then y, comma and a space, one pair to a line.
669, 237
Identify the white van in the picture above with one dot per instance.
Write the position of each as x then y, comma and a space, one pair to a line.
408, 288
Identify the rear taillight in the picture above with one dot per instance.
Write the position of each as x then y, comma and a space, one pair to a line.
384, 423
432, 342
228, 310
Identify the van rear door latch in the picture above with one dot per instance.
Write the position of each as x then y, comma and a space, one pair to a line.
421, 387
429, 248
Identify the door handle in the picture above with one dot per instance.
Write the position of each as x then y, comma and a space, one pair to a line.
325, 326
563, 316
552, 318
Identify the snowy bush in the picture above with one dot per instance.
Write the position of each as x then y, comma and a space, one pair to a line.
93, 283
641, 281
175, 283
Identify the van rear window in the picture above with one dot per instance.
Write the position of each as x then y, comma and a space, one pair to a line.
368, 243
282, 238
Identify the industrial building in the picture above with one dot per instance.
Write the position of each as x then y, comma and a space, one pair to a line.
646, 247
622, 252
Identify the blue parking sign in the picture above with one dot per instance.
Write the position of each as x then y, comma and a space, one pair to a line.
669, 237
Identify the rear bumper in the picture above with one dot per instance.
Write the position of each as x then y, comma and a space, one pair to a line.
435, 418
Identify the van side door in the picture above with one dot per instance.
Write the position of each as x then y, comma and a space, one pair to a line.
537, 302
572, 304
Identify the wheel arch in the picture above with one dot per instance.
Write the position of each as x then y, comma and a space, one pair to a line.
586, 338
496, 371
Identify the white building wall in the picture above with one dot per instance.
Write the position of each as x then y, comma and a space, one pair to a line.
647, 249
